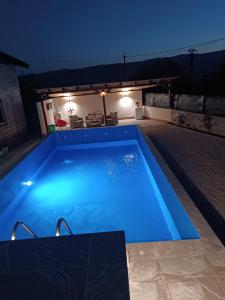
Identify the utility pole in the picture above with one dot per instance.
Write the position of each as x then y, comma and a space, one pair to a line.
124, 66
192, 52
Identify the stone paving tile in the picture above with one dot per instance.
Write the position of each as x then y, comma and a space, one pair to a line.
147, 290
187, 265
191, 269
220, 279
174, 249
216, 263
193, 288
140, 249
183, 248
142, 269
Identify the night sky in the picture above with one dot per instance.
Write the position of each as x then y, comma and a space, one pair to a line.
51, 34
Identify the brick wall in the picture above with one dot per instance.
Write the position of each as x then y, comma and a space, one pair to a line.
14, 131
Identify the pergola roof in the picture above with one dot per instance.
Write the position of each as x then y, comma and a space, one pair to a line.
112, 87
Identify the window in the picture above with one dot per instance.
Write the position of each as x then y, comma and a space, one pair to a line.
2, 115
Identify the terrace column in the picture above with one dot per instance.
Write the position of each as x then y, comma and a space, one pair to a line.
48, 112
103, 94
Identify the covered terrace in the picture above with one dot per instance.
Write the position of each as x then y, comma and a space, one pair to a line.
93, 105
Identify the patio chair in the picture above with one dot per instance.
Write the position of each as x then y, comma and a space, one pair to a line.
112, 119
57, 116
90, 115
76, 122
59, 122
99, 115
93, 121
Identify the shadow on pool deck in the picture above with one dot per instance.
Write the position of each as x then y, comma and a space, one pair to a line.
212, 216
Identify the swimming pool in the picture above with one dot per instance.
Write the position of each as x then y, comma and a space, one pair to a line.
100, 179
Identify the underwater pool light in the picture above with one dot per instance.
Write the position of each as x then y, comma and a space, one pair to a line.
67, 161
27, 183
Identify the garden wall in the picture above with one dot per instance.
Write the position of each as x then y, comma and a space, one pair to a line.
202, 113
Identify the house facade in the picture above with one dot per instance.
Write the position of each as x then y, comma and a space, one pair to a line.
12, 119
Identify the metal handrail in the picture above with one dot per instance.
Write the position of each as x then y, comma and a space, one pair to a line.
66, 226
20, 223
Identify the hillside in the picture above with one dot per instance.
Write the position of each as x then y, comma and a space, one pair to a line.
204, 64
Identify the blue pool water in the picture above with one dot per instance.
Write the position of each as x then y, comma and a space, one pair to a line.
97, 184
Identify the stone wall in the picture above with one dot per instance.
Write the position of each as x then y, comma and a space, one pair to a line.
157, 100
211, 105
14, 130
201, 113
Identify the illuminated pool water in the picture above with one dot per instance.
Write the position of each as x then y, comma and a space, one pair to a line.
98, 180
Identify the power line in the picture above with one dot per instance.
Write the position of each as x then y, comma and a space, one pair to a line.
197, 45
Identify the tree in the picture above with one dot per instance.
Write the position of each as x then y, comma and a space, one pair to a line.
161, 68
168, 68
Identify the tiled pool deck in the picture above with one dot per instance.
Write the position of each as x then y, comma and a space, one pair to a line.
179, 270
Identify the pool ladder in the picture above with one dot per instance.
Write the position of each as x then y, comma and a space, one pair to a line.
61, 221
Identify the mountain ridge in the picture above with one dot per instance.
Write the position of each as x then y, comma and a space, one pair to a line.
204, 64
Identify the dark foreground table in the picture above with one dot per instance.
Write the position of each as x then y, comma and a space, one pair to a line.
88, 266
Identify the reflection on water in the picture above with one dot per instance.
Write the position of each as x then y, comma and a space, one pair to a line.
130, 159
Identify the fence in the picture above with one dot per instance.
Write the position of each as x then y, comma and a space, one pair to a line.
190, 103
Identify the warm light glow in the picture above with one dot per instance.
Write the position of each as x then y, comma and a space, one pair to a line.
125, 92
125, 101
70, 106
27, 183
66, 95
103, 93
